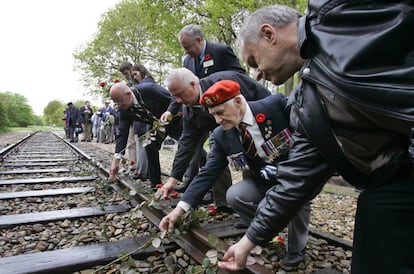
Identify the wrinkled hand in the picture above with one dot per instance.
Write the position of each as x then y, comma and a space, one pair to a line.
168, 222
236, 256
113, 171
167, 189
166, 116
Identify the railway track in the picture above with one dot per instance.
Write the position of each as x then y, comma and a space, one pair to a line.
59, 214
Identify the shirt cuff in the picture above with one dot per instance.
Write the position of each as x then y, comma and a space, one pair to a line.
184, 205
118, 156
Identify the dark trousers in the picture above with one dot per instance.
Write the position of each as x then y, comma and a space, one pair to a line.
73, 136
153, 158
384, 229
152, 151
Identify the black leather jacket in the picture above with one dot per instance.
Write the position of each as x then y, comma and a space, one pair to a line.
365, 54
362, 51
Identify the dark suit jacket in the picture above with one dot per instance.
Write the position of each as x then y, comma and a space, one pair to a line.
197, 121
228, 143
156, 100
73, 116
221, 57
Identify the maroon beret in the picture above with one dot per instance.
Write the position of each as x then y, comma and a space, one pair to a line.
219, 93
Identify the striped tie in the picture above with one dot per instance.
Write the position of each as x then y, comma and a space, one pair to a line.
247, 141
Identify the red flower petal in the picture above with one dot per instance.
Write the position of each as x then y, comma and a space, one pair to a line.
159, 185
117, 81
260, 118
102, 84
212, 211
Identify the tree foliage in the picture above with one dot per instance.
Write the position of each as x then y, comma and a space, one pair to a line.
53, 113
15, 110
145, 31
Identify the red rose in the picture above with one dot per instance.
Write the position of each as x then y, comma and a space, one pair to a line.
102, 84
207, 57
278, 240
159, 185
212, 210
174, 194
117, 81
260, 118
132, 162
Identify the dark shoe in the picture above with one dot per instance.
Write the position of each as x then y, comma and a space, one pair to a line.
207, 199
139, 176
291, 260
225, 209
240, 224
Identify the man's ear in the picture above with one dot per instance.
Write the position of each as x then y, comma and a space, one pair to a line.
237, 99
267, 32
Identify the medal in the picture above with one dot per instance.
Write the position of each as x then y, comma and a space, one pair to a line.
278, 144
238, 161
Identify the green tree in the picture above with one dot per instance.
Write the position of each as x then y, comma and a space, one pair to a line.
18, 112
53, 113
145, 31
4, 120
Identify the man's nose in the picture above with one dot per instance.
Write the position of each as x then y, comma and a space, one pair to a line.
218, 119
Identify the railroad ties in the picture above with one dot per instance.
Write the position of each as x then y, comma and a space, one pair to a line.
59, 214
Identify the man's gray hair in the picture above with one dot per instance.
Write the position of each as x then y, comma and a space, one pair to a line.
193, 31
275, 15
182, 75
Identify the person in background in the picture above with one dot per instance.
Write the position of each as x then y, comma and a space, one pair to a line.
107, 123
65, 125
86, 114
352, 113
73, 120
252, 137
96, 124
198, 122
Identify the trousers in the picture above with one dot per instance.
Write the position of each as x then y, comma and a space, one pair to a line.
245, 196
384, 229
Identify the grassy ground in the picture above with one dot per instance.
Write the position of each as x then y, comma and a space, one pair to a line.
29, 128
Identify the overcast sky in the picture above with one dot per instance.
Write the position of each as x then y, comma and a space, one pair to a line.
38, 39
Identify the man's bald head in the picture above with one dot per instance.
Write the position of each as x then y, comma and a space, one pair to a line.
121, 94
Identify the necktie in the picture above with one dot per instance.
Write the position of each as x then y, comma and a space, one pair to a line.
247, 141
198, 66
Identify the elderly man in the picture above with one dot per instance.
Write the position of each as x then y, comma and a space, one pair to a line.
353, 113
144, 102
197, 122
203, 58
253, 137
